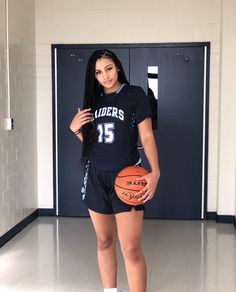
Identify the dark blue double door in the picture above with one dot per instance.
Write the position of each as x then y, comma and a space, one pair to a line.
177, 76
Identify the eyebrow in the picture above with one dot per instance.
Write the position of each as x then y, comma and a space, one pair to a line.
104, 67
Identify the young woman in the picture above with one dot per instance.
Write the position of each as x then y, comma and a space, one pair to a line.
114, 114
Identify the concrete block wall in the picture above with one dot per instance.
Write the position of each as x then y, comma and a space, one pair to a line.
18, 148
227, 112
125, 21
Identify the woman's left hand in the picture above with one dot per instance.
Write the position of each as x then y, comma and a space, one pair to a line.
148, 191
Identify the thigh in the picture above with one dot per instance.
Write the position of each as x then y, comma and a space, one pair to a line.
104, 224
129, 225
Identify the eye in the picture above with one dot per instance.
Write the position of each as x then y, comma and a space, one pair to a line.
97, 72
109, 68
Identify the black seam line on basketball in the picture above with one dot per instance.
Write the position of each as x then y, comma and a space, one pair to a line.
121, 176
127, 189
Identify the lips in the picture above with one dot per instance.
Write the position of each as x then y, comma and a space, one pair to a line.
108, 82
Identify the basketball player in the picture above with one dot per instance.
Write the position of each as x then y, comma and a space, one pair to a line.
114, 114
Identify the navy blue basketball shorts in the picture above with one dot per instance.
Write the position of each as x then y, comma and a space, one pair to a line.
99, 194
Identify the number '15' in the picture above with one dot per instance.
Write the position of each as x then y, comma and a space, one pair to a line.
106, 133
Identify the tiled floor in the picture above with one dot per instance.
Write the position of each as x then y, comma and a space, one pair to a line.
60, 255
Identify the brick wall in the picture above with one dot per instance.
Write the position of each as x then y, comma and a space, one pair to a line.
18, 148
227, 112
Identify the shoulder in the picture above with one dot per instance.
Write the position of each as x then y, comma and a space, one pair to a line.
134, 88
135, 91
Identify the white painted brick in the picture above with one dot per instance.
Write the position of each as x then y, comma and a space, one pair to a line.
215, 59
160, 16
77, 18
94, 4
214, 105
11, 155
7, 197
214, 82
12, 181
175, 33
74, 4
16, 142
73, 35
44, 35
4, 184
43, 50
44, 5
44, 105
43, 8
23, 101
149, 33
13, 206
43, 60
212, 170
20, 153
206, 32
1, 177
44, 72
215, 69
44, 127
44, 94
104, 36
44, 83
44, 116
7, 170
126, 17
6, 144
1, 222
198, 14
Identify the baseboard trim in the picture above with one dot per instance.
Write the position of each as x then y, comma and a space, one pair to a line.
211, 216
17, 228
46, 212
221, 218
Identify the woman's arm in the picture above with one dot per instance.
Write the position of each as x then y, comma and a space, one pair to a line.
81, 118
150, 149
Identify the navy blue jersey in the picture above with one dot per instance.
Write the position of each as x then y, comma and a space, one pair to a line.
115, 132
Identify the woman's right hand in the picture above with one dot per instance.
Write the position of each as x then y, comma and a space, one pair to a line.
81, 118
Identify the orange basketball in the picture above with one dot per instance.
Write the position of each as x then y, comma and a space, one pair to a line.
126, 185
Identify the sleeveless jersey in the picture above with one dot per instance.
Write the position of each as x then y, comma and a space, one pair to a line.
115, 132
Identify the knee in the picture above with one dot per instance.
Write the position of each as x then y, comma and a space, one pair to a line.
105, 242
132, 253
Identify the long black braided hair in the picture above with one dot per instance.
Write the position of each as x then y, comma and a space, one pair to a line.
93, 90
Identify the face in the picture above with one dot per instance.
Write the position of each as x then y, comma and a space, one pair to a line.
106, 74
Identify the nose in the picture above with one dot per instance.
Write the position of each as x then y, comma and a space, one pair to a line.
105, 76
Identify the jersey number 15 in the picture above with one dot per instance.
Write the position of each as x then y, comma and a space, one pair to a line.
106, 133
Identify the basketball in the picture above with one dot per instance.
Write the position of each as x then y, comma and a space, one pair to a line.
126, 185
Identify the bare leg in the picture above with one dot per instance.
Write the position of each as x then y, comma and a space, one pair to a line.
105, 229
129, 230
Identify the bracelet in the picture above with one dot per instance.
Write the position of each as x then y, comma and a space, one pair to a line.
76, 132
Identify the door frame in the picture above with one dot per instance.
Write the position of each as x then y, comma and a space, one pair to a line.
205, 45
